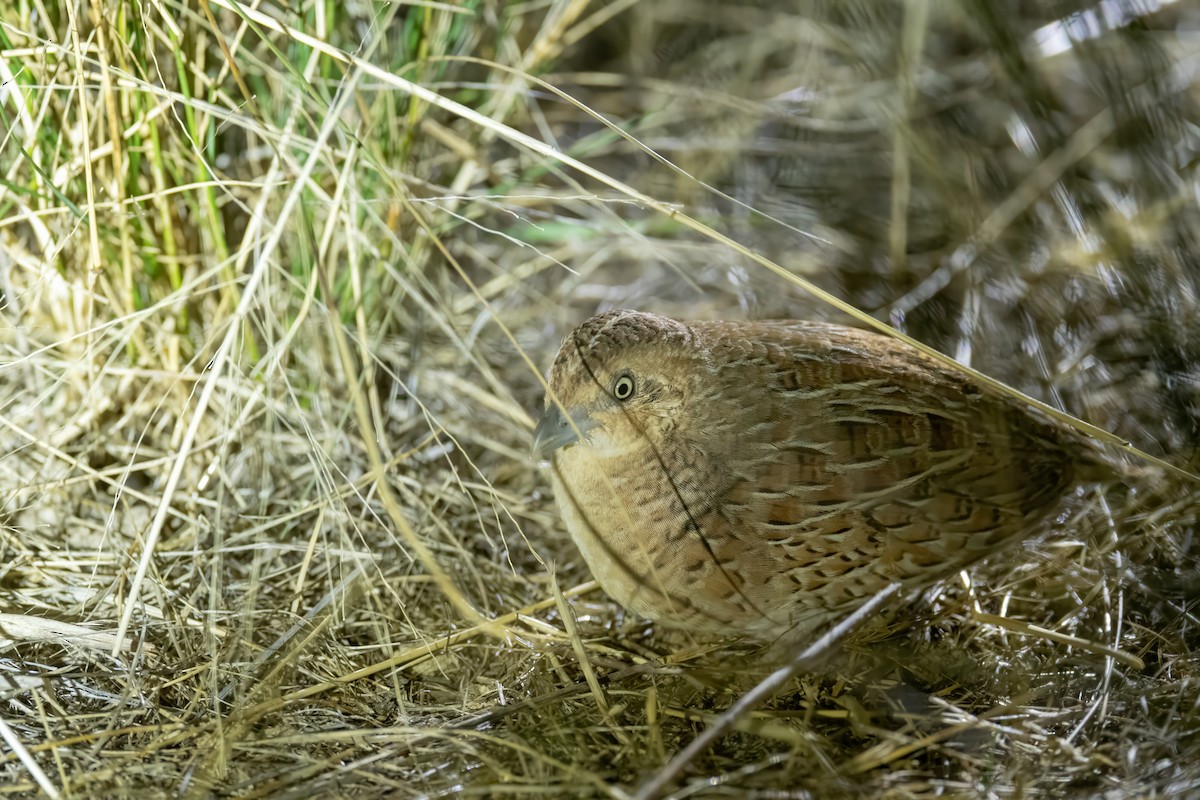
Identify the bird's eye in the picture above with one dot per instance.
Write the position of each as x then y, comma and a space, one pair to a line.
623, 387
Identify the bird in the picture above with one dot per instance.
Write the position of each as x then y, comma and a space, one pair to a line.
762, 479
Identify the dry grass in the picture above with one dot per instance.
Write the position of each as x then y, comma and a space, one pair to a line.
276, 286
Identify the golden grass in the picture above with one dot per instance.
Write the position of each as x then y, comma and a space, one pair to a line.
277, 286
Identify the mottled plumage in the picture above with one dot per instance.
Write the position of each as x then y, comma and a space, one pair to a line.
762, 477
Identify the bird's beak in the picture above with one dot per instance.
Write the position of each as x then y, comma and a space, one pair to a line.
554, 431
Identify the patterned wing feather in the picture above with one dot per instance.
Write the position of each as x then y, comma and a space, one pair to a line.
874, 464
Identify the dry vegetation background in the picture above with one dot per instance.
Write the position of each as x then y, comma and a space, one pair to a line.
276, 284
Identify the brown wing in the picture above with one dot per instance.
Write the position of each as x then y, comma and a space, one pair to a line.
863, 462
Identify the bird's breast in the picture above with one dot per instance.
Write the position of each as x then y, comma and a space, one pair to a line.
634, 520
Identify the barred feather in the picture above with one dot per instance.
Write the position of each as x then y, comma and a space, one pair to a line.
769, 475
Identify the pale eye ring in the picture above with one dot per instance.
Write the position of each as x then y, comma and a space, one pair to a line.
623, 387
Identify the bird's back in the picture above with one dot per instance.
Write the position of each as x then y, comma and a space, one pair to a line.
854, 461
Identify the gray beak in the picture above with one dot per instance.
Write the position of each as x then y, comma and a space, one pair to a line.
554, 431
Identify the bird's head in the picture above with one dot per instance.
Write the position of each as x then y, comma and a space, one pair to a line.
620, 381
